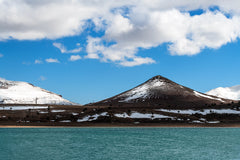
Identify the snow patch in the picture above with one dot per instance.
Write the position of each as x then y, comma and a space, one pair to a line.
92, 118
203, 112
75, 114
140, 115
65, 121
22, 107
141, 91
57, 111
213, 122
43, 112
197, 121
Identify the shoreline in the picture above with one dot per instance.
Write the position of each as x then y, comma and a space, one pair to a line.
126, 126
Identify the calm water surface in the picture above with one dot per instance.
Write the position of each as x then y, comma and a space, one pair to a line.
119, 143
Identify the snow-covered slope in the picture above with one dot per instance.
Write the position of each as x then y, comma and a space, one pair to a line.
15, 92
142, 91
227, 92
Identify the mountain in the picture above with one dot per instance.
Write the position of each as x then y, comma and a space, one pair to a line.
160, 91
227, 92
14, 92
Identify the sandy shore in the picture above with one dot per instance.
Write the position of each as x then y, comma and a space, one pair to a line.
127, 126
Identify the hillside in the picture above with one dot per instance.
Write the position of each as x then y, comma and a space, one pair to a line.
226, 92
14, 92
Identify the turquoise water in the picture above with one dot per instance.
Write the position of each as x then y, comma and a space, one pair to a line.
119, 143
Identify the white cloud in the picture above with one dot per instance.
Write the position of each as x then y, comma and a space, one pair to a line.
137, 61
120, 54
37, 61
52, 60
25, 19
93, 48
143, 25
74, 58
186, 35
42, 78
210, 30
38, 19
1, 55
63, 49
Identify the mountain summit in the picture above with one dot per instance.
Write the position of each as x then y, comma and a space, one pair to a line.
14, 92
160, 91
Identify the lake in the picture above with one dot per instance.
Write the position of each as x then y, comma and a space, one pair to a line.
119, 143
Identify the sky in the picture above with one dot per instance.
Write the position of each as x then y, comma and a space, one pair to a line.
87, 51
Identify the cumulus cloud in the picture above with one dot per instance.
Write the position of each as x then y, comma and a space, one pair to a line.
127, 25
137, 61
37, 61
120, 54
209, 30
185, 34
74, 58
38, 19
52, 60
63, 49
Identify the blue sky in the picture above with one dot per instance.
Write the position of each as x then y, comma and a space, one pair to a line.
116, 49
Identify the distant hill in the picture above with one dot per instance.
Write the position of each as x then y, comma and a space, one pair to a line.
14, 92
227, 92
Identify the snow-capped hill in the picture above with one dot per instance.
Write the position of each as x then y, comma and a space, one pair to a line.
149, 89
227, 92
14, 92
160, 90
159, 86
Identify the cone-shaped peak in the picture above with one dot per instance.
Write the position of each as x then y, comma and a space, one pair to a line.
160, 90
160, 78
157, 77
